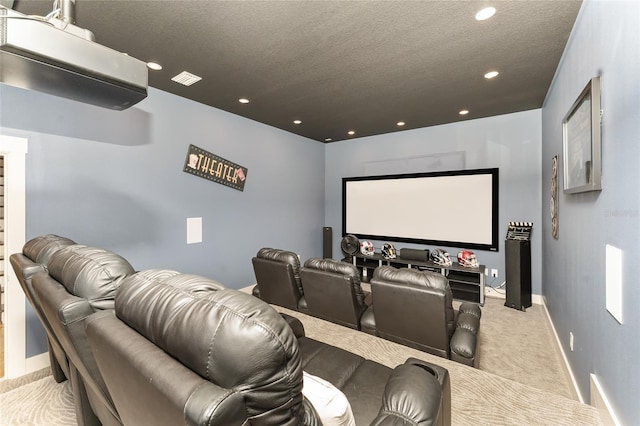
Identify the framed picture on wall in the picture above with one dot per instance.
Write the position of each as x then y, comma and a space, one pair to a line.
581, 142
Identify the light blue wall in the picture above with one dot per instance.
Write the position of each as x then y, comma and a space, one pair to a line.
605, 41
509, 142
115, 180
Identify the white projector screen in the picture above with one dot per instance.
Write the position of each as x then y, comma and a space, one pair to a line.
453, 209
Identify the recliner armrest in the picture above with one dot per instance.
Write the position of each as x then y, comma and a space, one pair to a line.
463, 346
470, 308
469, 322
295, 324
464, 340
417, 391
368, 321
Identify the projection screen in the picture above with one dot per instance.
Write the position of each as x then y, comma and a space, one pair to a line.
453, 209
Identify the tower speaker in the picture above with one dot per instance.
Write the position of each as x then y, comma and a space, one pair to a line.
327, 237
518, 273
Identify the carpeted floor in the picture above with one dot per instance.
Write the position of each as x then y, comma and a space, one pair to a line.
36, 400
521, 346
521, 379
477, 397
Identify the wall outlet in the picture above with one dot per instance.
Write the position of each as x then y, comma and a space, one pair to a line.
571, 341
494, 273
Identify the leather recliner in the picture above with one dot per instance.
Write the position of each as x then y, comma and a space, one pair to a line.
180, 350
415, 308
278, 278
81, 280
33, 259
333, 292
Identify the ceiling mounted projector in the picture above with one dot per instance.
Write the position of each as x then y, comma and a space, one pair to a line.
56, 57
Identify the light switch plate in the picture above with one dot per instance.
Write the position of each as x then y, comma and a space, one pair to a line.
194, 230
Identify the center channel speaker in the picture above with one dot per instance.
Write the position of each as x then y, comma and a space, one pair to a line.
327, 237
414, 254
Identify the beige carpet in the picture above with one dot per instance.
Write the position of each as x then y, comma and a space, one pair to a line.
477, 397
36, 400
522, 380
521, 346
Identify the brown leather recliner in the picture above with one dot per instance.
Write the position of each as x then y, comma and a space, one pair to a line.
278, 278
333, 292
33, 259
415, 308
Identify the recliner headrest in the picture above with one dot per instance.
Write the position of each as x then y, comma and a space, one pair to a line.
280, 256
231, 338
40, 249
411, 276
90, 273
283, 256
335, 266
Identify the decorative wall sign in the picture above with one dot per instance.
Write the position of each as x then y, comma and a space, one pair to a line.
209, 166
553, 205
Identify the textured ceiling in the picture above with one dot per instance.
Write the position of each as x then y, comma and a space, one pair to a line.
341, 65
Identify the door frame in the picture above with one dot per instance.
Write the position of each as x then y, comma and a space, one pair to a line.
14, 150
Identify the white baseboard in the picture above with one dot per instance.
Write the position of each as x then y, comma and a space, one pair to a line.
601, 402
564, 356
37, 362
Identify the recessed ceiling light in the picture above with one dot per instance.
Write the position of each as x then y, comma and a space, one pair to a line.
485, 13
400, 123
491, 74
243, 100
464, 112
351, 132
154, 66
186, 78
328, 140
297, 122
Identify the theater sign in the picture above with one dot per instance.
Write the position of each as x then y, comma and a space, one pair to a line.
209, 166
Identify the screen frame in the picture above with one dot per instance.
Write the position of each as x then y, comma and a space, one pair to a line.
493, 172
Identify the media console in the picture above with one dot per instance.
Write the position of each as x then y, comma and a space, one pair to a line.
466, 283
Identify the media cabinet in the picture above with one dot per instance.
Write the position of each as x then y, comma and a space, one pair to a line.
466, 284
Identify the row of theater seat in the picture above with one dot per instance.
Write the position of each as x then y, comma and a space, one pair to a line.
159, 347
407, 306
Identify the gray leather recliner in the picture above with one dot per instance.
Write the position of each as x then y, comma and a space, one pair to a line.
278, 278
180, 350
33, 259
81, 281
333, 292
415, 308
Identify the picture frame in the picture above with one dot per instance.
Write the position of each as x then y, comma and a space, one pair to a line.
581, 142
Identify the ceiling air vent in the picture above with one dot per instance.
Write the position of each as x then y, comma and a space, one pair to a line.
186, 78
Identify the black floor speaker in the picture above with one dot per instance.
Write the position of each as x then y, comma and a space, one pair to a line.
518, 272
327, 237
